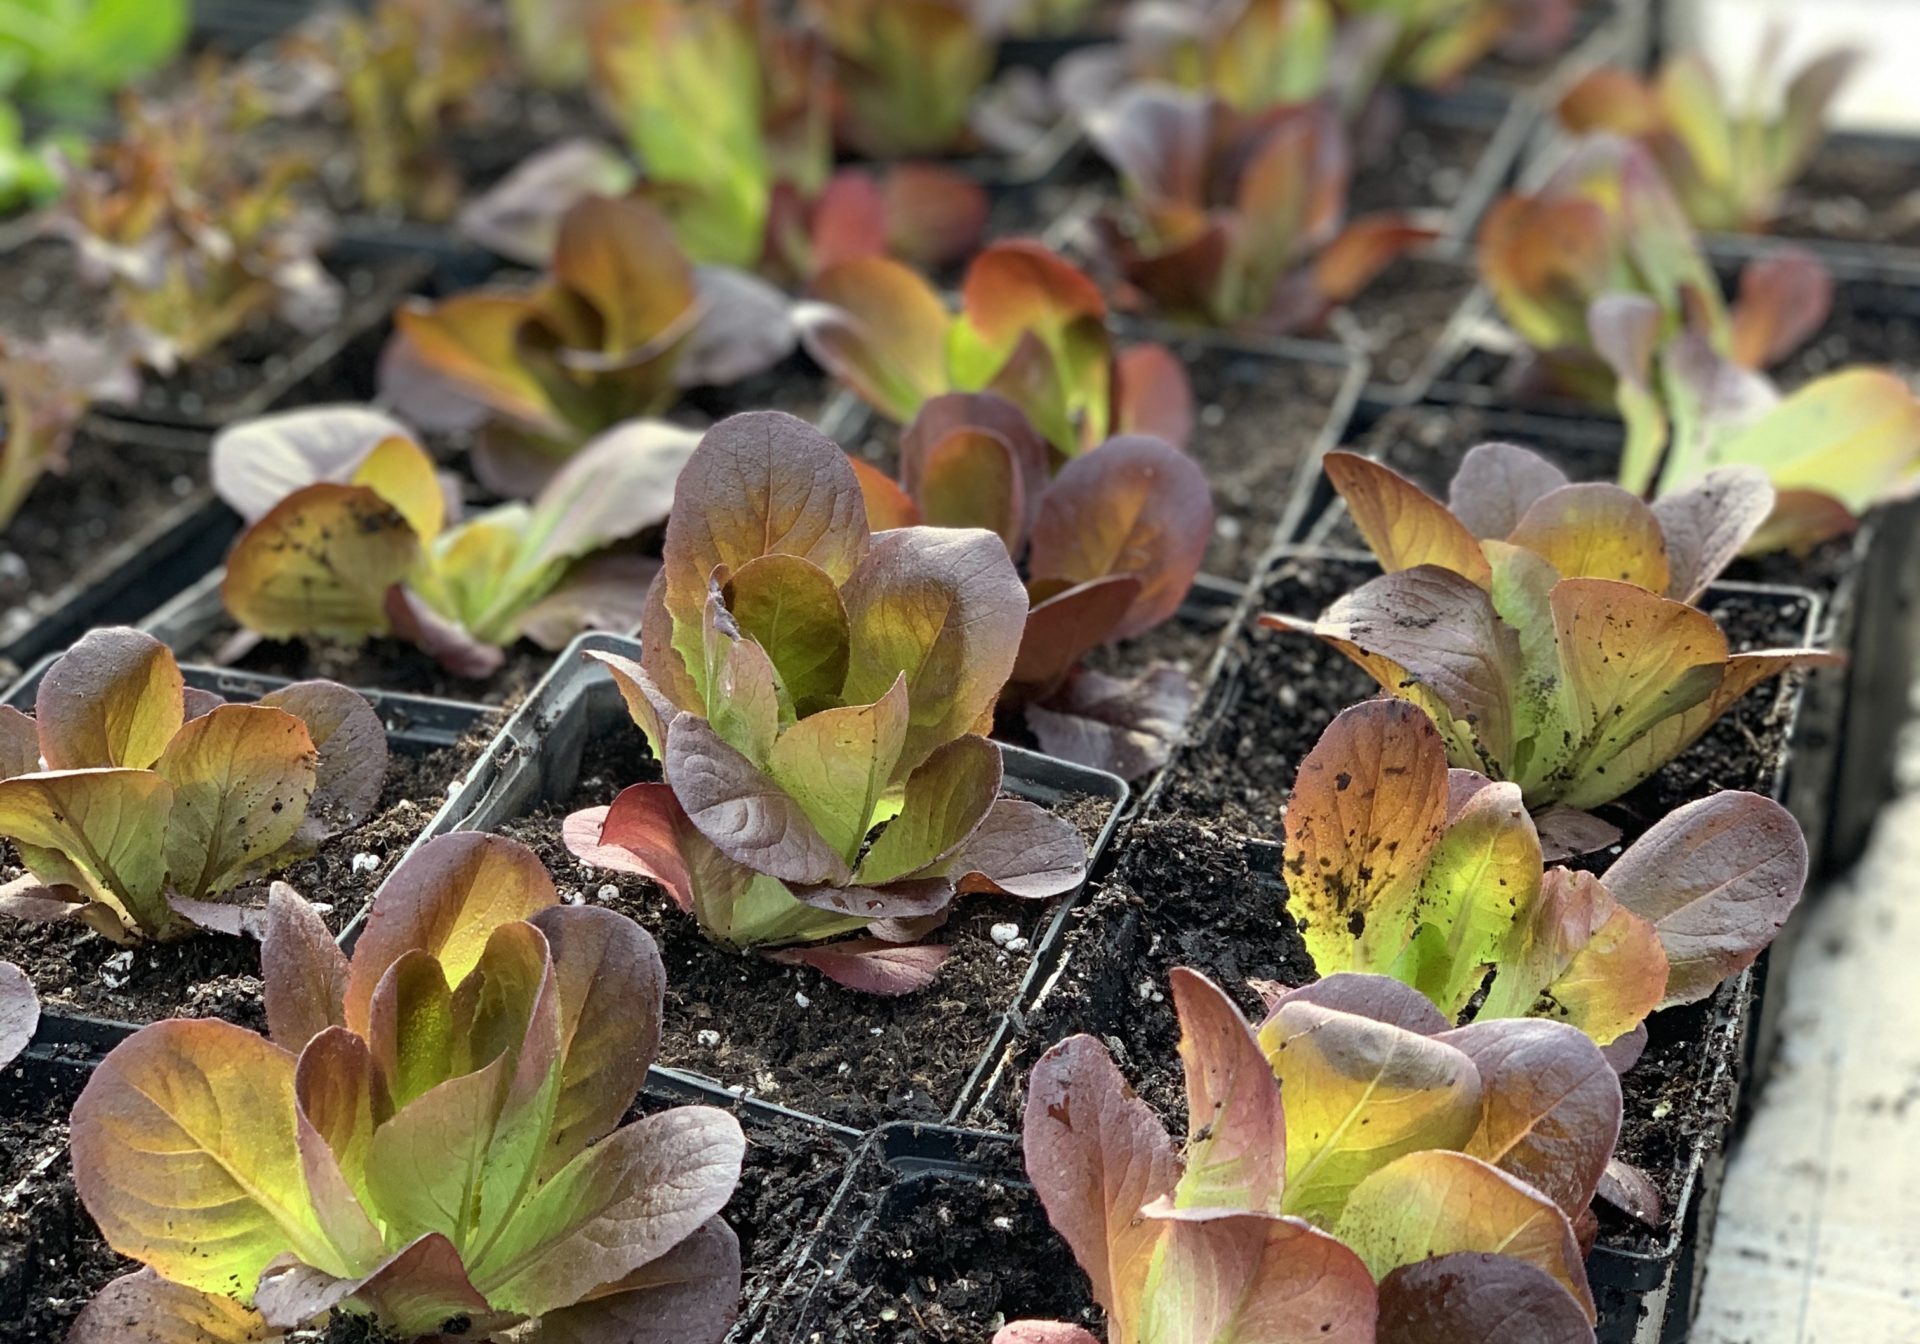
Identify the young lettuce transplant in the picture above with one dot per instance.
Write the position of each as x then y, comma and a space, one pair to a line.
815, 694
1396, 865
19, 1012
45, 390
137, 803
905, 72
1110, 543
1833, 449
1607, 225
1354, 1173
351, 533
1545, 627
727, 112
1430, 44
407, 71
616, 328
1731, 166
430, 1136
192, 243
1235, 220
1031, 328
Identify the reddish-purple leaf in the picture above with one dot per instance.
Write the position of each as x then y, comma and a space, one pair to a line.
1023, 850
870, 965
1127, 728
1236, 1154
302, 971
19, 1012
743, 812
1489, 1299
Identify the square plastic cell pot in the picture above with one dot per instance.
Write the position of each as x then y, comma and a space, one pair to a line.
536, 762
416, 726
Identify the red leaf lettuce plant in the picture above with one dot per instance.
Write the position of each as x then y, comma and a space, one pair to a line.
1398, 866
1730, 166
617, 327
1031, 328
1607, 225
351, 533
727, 111
137, 803
815, 694
430, 1135
1235, 219
192, 243
1546, 627
1110, 541
1356, 1172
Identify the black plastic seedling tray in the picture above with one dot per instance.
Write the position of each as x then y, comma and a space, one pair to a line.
415, 725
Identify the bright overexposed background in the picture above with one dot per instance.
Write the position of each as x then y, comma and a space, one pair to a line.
1883, 95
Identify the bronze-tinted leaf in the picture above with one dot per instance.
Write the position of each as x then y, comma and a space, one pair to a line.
1236, 1154
116, 698
1402, 524
242, 777
321, 562
1490, 1299
351, 746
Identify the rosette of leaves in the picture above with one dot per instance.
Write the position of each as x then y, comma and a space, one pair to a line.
619, 324
408, 72
1834, 448
815, 694
1731, 165
1546, 627
46, 389
191, 240
429, 1136
1396, 865
1110, 542
137, 803
352, 533
1252, 56
727, 111
1031, 328
1607, 225
1354, 1173
1235, 219
905, 72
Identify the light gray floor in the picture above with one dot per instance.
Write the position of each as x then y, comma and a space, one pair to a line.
1819, 1233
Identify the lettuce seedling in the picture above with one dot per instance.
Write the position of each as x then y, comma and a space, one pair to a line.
1834, 449
19, 1012
814, 693
619, 324
905, 72
192, 245
1607, 225
1031, 328
1110, 544
137, 802
1550, 659
1397, 866
1235, 220
407, 71
1731, 166
431, 1137
727, 112
351, 533
45, 390
1431, 44
1254, 56
1354, 1164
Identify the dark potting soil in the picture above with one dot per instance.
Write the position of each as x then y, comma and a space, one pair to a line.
71, 522
1427, 166
217, 975
1854, 192
1256, 419
789, 1035
1426, 444
796, 385
379, 664
1402, 316
948, 1261
41, 291
51, 1260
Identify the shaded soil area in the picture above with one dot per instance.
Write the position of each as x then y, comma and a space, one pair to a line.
939, 1260
1854, 192
1428, 164
66, 534
1401, 317
787, 1034
42, 291
381, 664
216, 975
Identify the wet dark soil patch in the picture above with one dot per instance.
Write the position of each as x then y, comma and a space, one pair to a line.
379, 664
